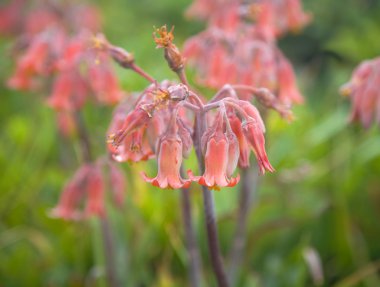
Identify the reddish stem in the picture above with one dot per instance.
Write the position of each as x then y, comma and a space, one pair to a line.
211, 227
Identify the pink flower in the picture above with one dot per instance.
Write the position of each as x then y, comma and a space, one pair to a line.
363, 89
10, 16
254, 134
72, 196
221, 156
95, 190
87, 188
31, 64
169, 158
104, 83
125, 135
69, 91
244, 148
288, 91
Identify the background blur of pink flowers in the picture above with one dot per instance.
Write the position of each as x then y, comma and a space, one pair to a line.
314, 222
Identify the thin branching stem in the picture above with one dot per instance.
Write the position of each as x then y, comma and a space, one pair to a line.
190, 239
208, 201
142, 73
248, 187
108, 243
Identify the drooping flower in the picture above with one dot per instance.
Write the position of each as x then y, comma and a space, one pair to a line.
136, 119
244, 148
242, 59
254, 134
169, 159
363, 89
288, 91
84, 194
71, 197
31, 64
220, 160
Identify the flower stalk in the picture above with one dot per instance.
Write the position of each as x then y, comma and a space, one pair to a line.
108, 241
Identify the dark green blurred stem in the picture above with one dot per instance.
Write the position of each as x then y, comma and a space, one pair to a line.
248, 187
109, 252
191, 243
208, 201
84, 139
108, 243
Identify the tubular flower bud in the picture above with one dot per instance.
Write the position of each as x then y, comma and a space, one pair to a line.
169, 160
244, 148
255, 136
233, 152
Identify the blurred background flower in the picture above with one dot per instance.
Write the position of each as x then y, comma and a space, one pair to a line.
313, 223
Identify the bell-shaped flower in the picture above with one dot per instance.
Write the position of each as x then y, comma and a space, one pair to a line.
87, 189
220, 160
288, 91
31, 64
72, 196
254, 134
363, 89
121, 126
169, 159
69, 91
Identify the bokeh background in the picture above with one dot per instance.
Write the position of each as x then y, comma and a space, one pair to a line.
324, 198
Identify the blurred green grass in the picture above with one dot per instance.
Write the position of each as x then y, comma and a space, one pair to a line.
325, 193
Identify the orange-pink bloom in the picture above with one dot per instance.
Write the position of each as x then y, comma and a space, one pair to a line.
255, 137
221, 156
169, 159
363, 89
84, 194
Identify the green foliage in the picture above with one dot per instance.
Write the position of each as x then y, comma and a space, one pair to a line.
325, 194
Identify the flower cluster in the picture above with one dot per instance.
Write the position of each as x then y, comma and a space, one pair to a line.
273, 18
84, 194
58, 55
234, 49
50, 47
162, 124
363, 89
167, 119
